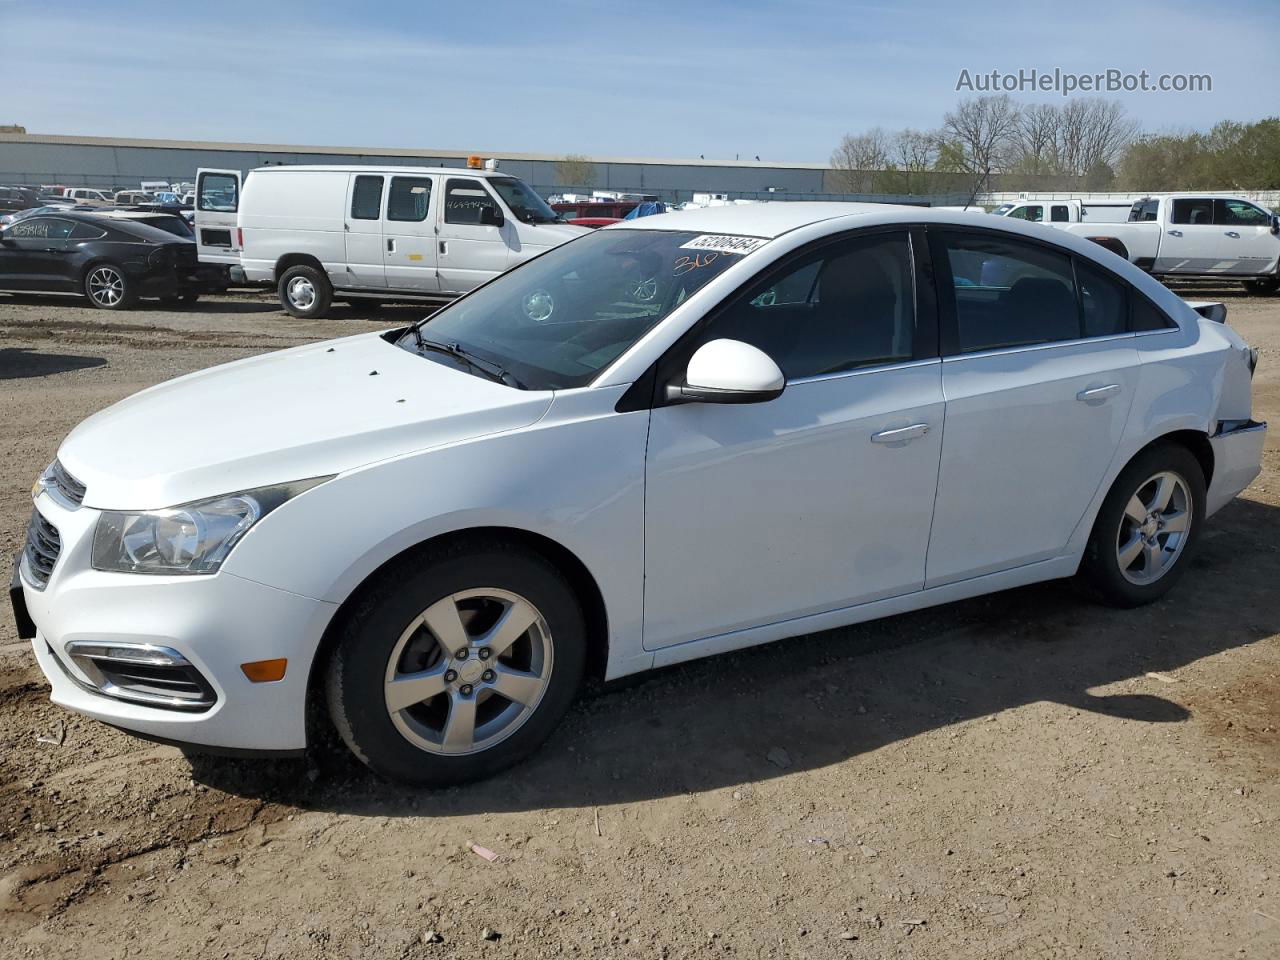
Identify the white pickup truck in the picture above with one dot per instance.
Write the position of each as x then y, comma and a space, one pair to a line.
1196, 235
1109, 210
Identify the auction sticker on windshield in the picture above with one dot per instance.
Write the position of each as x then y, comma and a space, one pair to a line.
721, 243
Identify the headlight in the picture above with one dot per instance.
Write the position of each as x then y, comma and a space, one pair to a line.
191, 539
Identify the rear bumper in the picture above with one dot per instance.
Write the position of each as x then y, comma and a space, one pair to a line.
1237, 460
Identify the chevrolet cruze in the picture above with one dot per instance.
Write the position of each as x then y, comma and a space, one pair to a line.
669, 438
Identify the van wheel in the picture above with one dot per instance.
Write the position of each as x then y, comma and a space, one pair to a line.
305, 292
1147, 527
458, 663
1263, 286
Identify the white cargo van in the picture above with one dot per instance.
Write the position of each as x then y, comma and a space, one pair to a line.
370, 233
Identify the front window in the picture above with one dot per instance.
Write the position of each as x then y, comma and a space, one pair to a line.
558, 320
524, 203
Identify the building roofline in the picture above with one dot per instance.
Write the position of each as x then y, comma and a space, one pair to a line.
67, 140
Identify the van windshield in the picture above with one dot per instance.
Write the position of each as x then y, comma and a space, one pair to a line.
524, 203
556, 321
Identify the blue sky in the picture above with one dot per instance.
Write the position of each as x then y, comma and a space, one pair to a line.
646, 78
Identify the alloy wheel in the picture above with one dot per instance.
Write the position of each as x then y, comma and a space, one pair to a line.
469, 671
106, 286
1154, 528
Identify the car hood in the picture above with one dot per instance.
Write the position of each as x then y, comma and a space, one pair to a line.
305, 412
549, 234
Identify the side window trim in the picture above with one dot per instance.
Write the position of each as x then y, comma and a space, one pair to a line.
479, 182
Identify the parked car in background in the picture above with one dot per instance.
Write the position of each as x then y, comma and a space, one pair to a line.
110, 260
595, 223
35, 211
17, 198
130, 197
562, 474
213, 277
88, 195
368, 233
1196, 235
1067, 211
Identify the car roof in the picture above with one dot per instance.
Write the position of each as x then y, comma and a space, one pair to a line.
772, 219
376, 168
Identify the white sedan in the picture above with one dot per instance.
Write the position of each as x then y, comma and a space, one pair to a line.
669, 438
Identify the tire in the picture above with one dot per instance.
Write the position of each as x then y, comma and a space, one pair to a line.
395, 630
305, 292
1262, 286
108, 287
1151, 570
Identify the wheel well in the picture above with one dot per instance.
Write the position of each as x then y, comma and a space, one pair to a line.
1112, 244
1195, 441
297, 260
575, 571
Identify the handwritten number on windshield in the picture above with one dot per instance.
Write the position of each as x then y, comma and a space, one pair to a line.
687, 264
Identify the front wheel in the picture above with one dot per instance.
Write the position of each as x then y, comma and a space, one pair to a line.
305, 292
108, 288
1147, 527
457, 664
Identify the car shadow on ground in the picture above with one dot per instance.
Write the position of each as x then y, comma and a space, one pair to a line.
17, 363
809, 702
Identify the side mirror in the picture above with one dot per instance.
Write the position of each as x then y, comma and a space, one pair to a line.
728, 371
1275, 223
491, 217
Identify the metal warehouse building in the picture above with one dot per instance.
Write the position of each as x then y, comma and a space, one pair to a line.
121, 163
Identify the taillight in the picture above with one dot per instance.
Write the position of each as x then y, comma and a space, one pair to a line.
240, 237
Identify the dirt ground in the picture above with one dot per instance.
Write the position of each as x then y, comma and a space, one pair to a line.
1022, 776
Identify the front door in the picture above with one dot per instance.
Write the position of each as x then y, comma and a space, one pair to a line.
409, 248
217, 203
1247, 236
1038, 384
816, 500
366, 268
471, 248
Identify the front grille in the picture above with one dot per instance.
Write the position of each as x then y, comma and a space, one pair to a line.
67, 486
42, 549
142, 673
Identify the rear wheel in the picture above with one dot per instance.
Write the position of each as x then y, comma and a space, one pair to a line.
458, 663
108, 288
1262, 286
1147, 527
305, 292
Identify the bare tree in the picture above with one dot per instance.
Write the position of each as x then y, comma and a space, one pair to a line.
1037, 135
576, 170
982, 135
1092, 133
912, 156
858, 159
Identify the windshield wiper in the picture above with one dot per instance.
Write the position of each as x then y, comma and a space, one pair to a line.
493, 371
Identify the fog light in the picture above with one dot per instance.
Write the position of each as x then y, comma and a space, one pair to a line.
265, 671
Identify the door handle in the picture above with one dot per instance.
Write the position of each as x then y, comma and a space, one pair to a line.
444, 248
1175, 233
901, 434
1233, 234
1097, 394
391, 246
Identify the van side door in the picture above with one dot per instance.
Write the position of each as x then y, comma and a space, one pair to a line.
217, 207
363, 231
471, 244
409, 235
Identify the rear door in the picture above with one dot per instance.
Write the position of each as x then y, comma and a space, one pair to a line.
409, 233
1191, 243
1039, 375
217, 205
470, 249
363, 231
1247, 236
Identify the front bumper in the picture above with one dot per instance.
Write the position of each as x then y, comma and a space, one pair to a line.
213, 623
1237, 460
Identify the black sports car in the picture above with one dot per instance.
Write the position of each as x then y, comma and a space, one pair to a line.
111, 261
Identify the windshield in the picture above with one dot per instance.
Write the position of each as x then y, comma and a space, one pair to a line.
524, 203
561, 318
1001, 210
